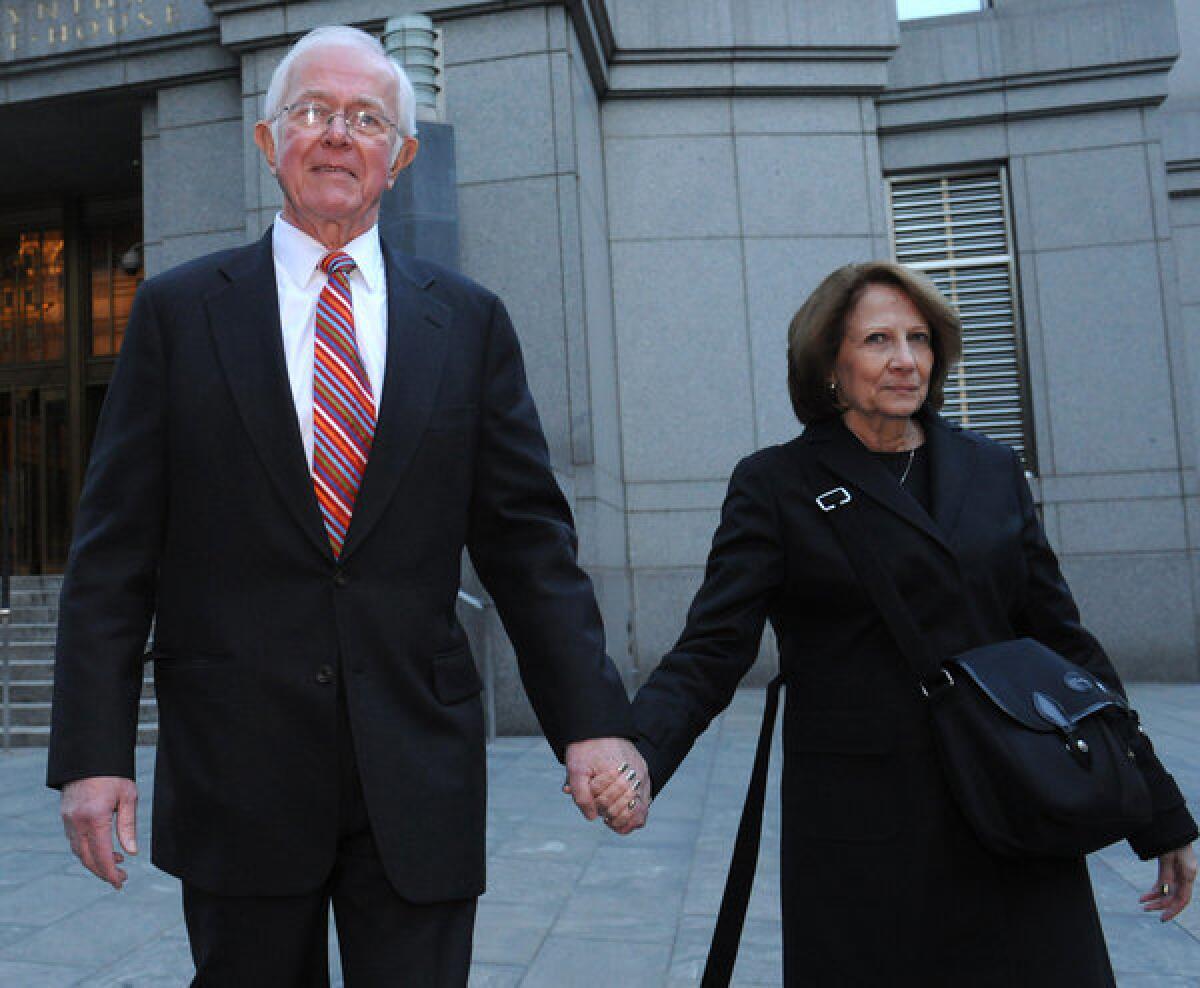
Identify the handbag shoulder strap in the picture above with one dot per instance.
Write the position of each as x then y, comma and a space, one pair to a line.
722, 954
837, 504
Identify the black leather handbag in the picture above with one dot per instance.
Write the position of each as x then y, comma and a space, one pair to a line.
1039, 753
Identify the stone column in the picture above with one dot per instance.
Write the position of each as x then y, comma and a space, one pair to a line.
524, 104
742, 166
419, 215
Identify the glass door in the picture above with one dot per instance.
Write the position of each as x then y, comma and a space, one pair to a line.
35, 490
67, 279
34, 483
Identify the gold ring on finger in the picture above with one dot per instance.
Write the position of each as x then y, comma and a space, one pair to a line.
1165, 889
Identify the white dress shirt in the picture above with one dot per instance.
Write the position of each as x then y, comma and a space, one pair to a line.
300, 280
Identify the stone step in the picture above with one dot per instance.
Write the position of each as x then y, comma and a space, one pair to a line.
31, 632
40, 580
34, 594
23, 669
33, 598
39, 650
25, 649
34, 613
26, 669
38, 736
37, 713
43, 650
31, 690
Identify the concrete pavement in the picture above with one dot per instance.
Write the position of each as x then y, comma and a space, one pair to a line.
569, 904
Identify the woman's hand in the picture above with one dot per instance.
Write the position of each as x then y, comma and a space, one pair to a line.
618, 795
1176, 877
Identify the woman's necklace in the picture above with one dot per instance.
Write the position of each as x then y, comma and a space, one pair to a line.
912, 455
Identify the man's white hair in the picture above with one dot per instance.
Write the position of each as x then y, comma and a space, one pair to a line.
340, 36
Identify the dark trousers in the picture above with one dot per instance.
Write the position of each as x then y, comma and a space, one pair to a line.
282, 941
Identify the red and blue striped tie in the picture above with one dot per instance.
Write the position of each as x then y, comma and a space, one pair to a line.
343, 409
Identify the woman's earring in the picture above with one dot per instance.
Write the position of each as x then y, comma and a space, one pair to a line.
833, 395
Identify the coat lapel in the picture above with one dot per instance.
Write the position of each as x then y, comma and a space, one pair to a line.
840, 452
244, 320
416, 350
952, 459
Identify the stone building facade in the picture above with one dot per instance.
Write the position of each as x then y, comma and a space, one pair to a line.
654, 186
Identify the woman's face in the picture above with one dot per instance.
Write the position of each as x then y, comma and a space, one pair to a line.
885, 358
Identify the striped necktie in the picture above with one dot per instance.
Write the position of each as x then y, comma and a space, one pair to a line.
343, 408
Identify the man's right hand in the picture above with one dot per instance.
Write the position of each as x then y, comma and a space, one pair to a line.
87, 808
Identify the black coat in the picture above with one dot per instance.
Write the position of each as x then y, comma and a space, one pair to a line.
198, 507
883, 883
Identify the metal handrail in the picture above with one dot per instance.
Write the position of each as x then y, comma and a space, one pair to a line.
6, 669
6, 614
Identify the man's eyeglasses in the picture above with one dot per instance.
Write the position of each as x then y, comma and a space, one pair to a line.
315, 117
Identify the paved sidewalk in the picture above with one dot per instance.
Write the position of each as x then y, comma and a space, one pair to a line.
569, 903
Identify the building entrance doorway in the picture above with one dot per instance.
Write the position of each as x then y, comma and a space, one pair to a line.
70, 261
33, 453
67, 279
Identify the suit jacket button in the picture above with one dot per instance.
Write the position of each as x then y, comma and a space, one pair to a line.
325, 675
340, 579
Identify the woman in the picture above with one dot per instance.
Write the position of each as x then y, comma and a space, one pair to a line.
883, 881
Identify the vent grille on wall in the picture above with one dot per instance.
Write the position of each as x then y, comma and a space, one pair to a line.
955, 229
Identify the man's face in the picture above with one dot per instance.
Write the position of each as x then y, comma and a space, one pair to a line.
333, 178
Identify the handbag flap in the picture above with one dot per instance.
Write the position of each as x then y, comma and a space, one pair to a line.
1034, 684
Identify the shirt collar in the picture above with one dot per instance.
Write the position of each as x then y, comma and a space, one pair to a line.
299, 254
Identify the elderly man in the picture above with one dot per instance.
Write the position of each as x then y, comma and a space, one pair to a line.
301, 437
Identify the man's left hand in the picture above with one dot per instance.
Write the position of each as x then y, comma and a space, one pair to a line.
589, 758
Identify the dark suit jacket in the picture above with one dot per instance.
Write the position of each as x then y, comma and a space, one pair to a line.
883, 882
198, 509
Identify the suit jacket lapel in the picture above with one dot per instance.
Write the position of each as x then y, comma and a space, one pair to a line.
847, 459
244, 321
416, 350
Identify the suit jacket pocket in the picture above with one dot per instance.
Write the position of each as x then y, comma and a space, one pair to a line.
841, 776
454, 675
170, 660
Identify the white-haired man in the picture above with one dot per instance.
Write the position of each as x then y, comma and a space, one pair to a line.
300, 439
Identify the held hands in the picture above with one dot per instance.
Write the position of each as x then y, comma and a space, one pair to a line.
605, 777
621, 795
87, 807
1176, 878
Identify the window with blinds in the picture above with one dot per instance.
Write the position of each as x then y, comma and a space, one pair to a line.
955, 229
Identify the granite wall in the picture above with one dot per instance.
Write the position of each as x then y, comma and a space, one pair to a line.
653, 188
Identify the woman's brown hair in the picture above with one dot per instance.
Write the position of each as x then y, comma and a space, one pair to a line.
816, 332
